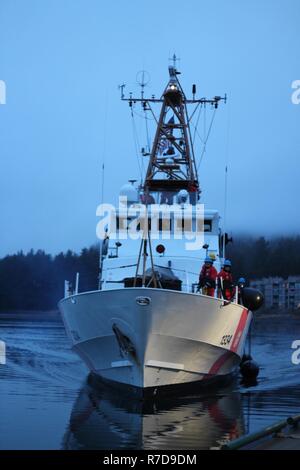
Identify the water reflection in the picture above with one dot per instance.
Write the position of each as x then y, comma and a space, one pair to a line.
102, 418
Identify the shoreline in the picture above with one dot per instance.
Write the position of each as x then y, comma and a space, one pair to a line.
272, 313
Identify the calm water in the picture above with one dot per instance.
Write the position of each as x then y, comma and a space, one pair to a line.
47, 401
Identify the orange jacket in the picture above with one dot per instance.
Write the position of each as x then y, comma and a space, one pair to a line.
208, 274
227, 278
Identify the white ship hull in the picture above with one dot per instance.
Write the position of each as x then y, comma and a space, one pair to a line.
152, 338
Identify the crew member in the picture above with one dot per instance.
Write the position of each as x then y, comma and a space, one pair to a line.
225, 281
193, 192
147, 199
167, 197
207, 277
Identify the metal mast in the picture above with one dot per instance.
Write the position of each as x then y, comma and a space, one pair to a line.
172, 164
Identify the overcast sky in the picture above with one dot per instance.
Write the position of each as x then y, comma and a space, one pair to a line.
62, 61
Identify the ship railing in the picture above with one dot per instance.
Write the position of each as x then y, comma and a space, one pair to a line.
187, 286
187, 277
68, 291
183, 274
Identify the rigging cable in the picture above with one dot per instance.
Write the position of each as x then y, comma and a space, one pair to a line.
225, 211
226, 179
196, 126
104, 149
206, 138
102, 187
145, 117
147, 131
147, 137
136, 143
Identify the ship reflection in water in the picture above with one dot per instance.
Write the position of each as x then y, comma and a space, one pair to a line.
102, 418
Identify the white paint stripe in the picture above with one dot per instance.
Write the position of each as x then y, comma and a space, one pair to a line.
165, 365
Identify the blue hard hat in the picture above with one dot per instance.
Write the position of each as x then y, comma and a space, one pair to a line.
227, 262
242, 280
208, 260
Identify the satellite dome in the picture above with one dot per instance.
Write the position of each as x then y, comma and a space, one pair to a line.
182, 197
130, 192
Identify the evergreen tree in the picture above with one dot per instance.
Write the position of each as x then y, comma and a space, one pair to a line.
35, 281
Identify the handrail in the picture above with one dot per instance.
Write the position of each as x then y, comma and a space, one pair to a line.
187, 284
156, 265
120, 267
249, 438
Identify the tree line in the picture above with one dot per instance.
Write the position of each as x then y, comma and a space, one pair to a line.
256, 258
35, 280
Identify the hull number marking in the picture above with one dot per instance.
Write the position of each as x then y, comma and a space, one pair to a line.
226, 339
